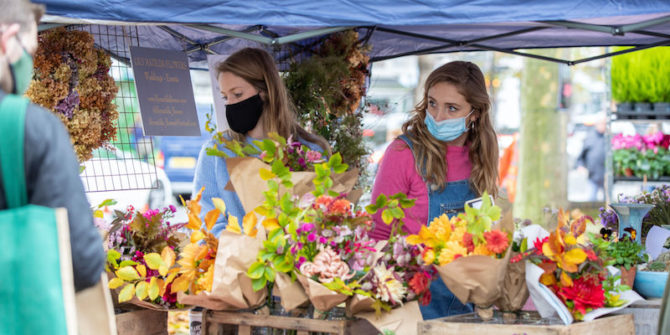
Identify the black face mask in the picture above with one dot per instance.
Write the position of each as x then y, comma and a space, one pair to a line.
244, 115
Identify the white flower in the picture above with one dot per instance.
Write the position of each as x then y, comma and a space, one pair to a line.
389, 288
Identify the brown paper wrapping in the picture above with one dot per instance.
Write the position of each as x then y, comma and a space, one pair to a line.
321, 297
401, 320
359, 304
231, 284
246, 181
514, 290
478, 279
291, 293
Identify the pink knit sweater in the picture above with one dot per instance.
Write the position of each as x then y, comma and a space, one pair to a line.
397, 173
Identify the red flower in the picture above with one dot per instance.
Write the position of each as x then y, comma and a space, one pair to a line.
591, 255
467, 242
584, 294
425, 298
496, 241
419, 283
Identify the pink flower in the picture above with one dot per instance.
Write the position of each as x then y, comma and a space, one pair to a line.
313, 156
311, 237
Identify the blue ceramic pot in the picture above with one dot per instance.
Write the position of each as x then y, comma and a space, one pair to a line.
631, 215
650, 284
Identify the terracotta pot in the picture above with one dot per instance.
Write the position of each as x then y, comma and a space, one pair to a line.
627, 276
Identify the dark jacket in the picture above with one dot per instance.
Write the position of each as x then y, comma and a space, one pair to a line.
52, 179
592, 156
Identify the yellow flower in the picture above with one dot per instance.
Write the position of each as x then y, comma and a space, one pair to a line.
482, 250
429, 256
451, 251
458, 233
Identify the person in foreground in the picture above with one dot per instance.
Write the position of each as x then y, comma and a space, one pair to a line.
257, 103
447, 155
51, 167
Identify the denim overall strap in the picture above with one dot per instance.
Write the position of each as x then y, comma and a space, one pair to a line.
451, 201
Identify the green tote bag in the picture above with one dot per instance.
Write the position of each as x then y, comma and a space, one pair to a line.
36, 281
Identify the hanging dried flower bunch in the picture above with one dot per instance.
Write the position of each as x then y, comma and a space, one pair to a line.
72, 79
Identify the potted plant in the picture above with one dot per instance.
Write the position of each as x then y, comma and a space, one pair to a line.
651, 279
626, 254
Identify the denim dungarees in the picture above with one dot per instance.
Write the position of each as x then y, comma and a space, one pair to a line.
448, 201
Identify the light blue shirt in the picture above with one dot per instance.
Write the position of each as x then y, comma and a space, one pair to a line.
212, 173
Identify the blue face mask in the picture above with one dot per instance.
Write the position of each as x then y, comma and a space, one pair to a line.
446, 130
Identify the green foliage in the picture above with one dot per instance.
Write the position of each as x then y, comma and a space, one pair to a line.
633, 162
641, 76
612, 299
626, 253
393, 212
480, 220
327, 88
656, 266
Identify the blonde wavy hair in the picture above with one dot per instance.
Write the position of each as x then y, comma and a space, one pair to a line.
257, 67
429, 153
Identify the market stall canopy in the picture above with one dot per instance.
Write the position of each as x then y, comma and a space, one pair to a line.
394, 29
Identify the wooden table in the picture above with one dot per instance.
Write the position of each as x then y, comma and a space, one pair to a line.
645, 315
530, 324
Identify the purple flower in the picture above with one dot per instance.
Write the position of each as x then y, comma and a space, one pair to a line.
67, 105
302, 163
173, 209
300, 261
323, 240
311, 237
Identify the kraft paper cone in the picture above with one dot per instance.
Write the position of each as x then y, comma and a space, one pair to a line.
401, 320
321, 297
231, 284
514, 291
478, 279
246, 181
290, 291
359, 304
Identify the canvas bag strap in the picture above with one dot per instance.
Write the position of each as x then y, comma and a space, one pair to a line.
12, 127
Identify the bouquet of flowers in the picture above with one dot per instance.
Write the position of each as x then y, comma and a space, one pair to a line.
471, 255
271, 157
213, 277
573, 268
312, 237
141, 255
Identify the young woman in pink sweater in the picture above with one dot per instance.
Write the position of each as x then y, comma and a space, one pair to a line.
447, 155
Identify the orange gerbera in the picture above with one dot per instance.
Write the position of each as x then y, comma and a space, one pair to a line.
496, 241
340, 206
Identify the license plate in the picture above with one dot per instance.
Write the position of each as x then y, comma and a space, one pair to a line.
182, 162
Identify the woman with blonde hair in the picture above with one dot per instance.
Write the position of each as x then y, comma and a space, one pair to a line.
257, 103
447, 155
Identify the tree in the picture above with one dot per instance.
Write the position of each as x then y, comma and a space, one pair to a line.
542, 166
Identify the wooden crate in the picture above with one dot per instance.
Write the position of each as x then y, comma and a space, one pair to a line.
218, 322
609, 325
142, 322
